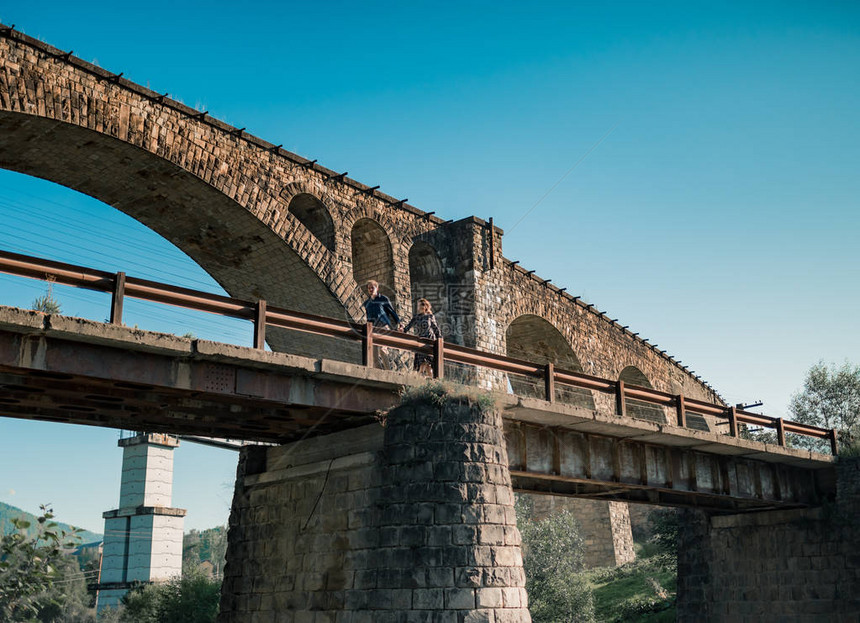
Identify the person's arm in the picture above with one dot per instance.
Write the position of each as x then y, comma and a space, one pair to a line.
389, 310
409, 326
434, 327
367, 305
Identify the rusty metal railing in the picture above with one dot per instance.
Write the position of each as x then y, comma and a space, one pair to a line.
120, 286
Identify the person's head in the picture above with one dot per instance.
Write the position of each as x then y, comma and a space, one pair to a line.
372, 288
424, 306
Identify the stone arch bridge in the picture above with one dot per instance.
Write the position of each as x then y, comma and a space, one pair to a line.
269, 224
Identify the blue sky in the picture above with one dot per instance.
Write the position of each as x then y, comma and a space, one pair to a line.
719, 218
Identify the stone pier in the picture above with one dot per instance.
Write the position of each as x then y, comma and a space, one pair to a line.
791, 566
410, 521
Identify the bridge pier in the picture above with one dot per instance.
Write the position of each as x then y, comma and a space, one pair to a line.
791, 566
411, 521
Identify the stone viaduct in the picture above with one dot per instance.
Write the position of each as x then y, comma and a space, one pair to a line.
269, 224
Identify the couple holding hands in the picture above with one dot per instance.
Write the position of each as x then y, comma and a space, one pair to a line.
381, 313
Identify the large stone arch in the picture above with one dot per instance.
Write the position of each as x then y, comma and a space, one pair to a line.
533, 338
197, 184
241, 252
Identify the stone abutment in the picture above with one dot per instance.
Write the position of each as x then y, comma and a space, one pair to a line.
793, 566
411, 521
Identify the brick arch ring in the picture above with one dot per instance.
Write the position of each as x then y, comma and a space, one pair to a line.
384, 221
318, 192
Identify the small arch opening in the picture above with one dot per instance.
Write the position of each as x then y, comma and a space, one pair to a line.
372, 257
426, 281
631, 375
313, 214
534, 339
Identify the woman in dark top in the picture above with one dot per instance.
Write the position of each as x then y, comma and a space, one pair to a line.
425, 326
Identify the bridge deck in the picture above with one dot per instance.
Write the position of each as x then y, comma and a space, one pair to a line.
78, 371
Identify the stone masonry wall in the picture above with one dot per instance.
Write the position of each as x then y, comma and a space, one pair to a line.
413, 522
799, 566
605, 527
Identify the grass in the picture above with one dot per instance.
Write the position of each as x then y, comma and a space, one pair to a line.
639, 592
440, 392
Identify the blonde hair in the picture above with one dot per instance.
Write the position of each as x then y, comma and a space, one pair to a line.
372, 282
427, 303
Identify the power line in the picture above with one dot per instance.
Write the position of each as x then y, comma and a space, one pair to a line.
562, 178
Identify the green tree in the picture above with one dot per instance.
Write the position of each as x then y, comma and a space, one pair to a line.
830, 398
553, 562
67, 600
207, 546
29, 566
191, 599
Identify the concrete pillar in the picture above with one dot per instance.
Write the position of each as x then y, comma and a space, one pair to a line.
143, 537
792, 566
413, 521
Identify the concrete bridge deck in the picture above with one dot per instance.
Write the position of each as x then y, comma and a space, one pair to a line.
72, 370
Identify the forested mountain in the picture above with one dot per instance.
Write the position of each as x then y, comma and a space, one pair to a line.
9, 512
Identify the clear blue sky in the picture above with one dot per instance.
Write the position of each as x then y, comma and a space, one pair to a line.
719, 218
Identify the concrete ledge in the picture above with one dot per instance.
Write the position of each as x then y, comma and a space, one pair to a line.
92, 332
21, 320
365, 439
144, 510
307, 470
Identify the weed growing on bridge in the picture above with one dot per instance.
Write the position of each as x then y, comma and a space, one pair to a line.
439, 393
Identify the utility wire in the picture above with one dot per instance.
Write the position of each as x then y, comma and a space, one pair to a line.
562, 178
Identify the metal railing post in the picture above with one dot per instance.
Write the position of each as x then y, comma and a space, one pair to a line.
117, 299
780, 431
681, 408
439, 359
549, 382
732, 415
367, 345
620, 406
260, 325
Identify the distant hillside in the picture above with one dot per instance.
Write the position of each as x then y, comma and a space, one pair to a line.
8, 513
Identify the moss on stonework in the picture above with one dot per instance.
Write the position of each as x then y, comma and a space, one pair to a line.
440, 393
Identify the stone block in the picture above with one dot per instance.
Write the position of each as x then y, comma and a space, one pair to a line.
428, 599
459, 598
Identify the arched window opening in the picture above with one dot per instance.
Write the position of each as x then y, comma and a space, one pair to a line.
313, 215
372, 257
534, 339
425, 279
631, 375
